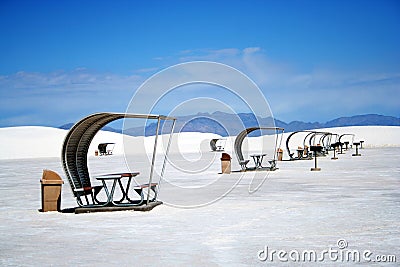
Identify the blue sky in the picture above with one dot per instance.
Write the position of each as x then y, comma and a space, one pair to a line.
62, 60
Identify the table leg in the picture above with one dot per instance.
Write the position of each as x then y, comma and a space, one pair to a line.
112, 192
127, 189
255, 161
261, 159
123, 191
108, 193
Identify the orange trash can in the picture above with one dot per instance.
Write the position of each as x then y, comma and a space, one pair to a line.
225, 163
280, 154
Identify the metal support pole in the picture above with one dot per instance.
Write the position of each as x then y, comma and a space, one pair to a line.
315, 159
334, 153
166, 152
153, 161
356, 154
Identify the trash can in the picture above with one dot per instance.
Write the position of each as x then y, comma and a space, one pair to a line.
51, 191
280, 154
306, 148
225, 163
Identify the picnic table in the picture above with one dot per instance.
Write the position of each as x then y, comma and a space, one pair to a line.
300, 152
116, 179
356, 144
258, 158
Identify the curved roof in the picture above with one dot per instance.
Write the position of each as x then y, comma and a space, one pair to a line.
313, 137
213, 144
77, 141
242, 135
310, 132
352, 137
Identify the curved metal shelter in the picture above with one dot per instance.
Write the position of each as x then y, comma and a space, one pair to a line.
215, 147
322, 141
352, 137
76, 145
102, 147
242, 135
326, 140
310, 136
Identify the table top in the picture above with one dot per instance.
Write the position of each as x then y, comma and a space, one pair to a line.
117, 175
316, 148
257, 155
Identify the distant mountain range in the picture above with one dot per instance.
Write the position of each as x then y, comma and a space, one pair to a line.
226, 124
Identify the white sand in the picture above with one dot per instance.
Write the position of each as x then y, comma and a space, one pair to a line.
39, 142
353, 198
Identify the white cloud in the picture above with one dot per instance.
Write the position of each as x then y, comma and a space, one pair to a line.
251, 50
57, 96
291, 91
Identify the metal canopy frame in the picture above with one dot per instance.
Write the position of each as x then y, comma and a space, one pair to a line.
102, 148
77, 141
310, 134
213, 144
324, 143
326, 140
242, 135
352, 138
